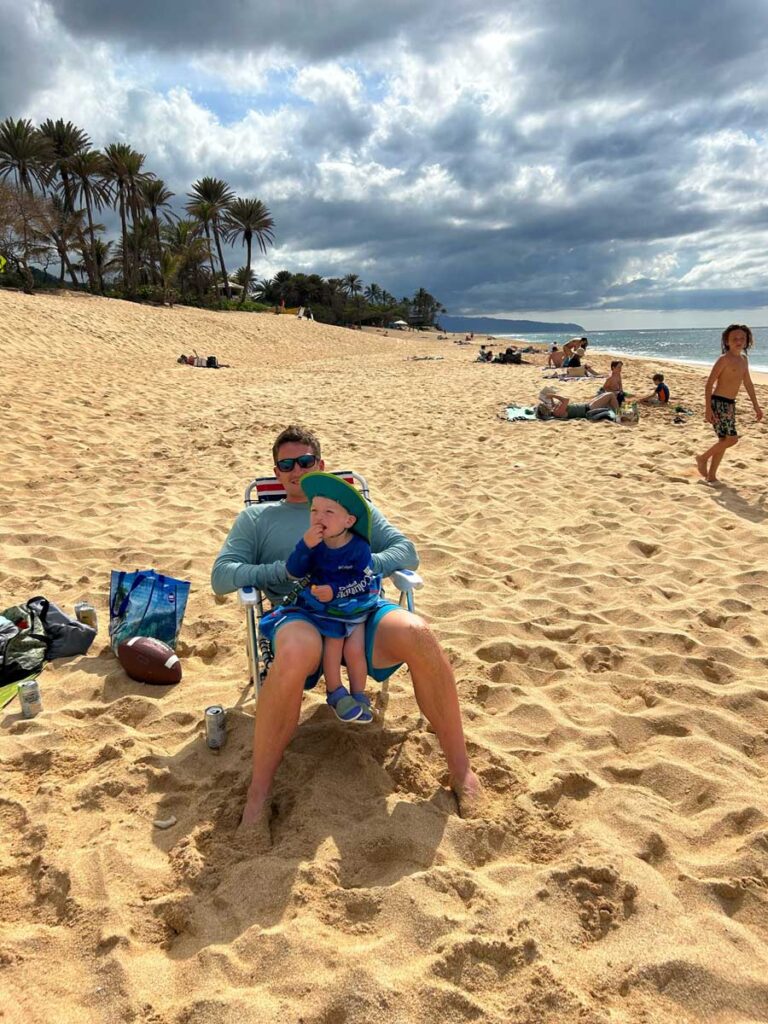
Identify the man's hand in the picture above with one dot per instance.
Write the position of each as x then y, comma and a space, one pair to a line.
758, 413
322, 592
313, 536
709, 416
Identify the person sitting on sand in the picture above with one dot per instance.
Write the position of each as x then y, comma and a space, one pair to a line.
335, 554
484, 355
728, 374
562, 408
555, 358
571, 346
659, 395
613, 381
576, 361
254, 554
510, 356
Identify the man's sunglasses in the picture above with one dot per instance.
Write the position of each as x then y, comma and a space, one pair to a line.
304, 461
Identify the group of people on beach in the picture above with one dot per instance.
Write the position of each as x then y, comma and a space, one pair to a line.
728, 374
320, 556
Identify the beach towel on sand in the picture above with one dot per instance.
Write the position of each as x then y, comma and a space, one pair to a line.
518, 413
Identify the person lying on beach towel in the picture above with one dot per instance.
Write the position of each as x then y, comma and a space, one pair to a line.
210, 362
554, 406
520, 413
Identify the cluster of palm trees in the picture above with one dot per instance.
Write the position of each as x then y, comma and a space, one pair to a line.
59, 184
54, 185
346, 299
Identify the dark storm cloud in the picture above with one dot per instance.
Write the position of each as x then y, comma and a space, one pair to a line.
313, 29
694, 298
651, 48
602, 154
27, 58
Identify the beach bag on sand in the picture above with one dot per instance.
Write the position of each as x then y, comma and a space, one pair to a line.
146, 603
67, 636
23, 644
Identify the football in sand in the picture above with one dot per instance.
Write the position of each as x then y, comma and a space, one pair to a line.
149, 661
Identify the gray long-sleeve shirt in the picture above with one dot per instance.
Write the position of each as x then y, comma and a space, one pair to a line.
263, 536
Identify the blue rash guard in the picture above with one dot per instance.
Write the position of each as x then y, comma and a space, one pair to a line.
347, 570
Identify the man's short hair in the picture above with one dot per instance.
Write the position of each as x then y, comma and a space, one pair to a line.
296, 434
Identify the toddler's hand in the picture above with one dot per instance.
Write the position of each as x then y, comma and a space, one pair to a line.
313, 536
322, 592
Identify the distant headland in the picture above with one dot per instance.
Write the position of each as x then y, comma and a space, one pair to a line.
492, 325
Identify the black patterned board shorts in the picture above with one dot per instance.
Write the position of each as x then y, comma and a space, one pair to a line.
724, 410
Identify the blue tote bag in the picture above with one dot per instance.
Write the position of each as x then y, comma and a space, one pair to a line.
146, 603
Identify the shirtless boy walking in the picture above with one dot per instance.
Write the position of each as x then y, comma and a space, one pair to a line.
728, 374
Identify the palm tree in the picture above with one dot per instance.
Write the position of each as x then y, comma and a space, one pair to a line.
170, 268
247, 219
282, 283
155, 194
182, 239
134, 179
219, 195
263, 290
374, 294
64, 141
65, 230
203, 211
88, 170
352, 284
246, 279
123, 167
115, 156
23, 152
103, 260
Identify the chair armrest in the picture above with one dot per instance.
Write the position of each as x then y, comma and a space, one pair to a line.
248, 596
407, 579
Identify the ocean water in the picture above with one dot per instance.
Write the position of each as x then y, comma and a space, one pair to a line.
692, 345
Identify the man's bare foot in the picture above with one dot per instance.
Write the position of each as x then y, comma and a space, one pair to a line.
256, 810
469, 793
701, 463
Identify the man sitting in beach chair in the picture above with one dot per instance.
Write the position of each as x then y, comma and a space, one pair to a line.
254, 556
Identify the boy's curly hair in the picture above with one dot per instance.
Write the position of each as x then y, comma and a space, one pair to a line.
295, 433
736, 327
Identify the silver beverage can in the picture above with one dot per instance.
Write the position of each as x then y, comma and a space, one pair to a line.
215, 726
29, 698
86, 613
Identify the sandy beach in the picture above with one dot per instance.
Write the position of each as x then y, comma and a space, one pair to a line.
605, 615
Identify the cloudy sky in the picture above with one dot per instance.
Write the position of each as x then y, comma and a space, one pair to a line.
602, 161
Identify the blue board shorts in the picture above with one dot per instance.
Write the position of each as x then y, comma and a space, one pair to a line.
272, 621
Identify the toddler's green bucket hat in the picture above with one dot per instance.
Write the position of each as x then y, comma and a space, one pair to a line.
328, 485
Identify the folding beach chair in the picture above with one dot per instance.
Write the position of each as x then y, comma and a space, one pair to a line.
252, 599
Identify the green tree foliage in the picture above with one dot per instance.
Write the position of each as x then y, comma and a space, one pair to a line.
246, 220
54, 184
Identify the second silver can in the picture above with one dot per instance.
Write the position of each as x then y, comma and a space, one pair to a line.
215, 726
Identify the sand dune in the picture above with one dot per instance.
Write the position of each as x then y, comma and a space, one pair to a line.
605, 614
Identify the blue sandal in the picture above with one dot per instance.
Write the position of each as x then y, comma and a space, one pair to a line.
364, 703
345, 706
